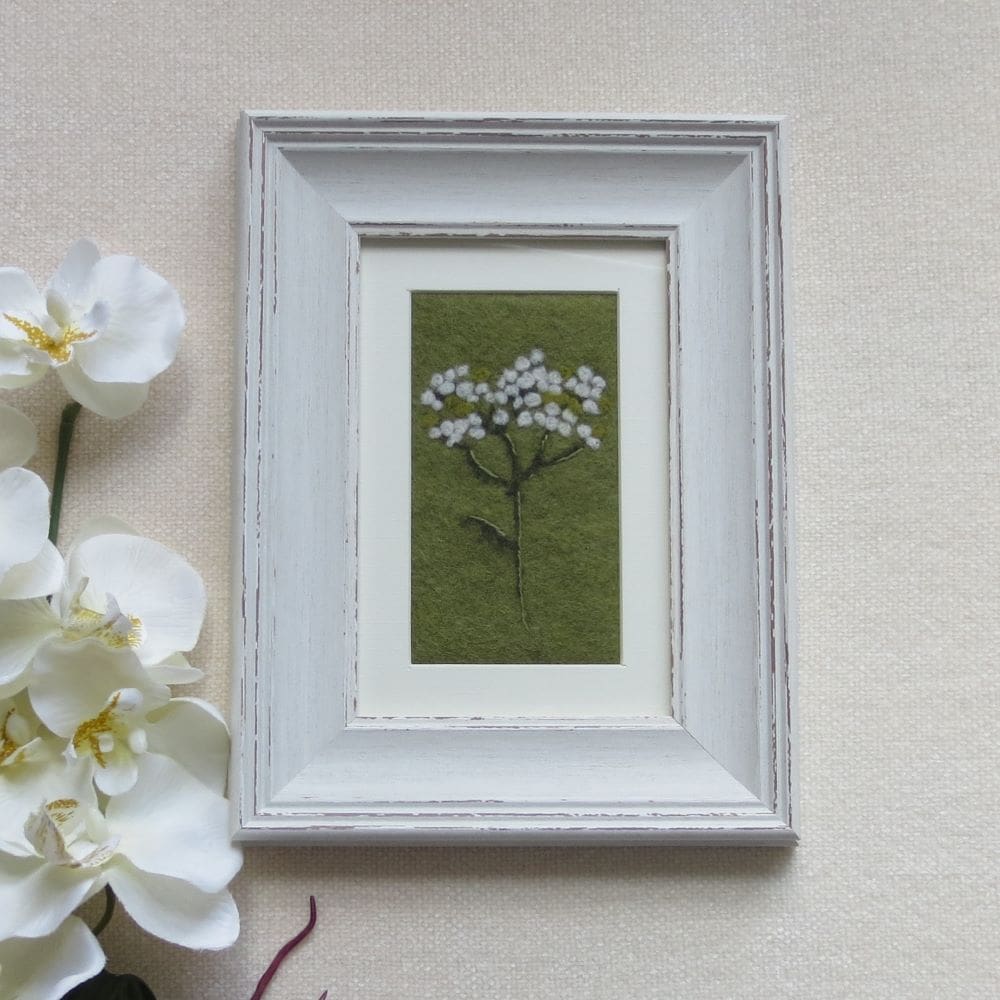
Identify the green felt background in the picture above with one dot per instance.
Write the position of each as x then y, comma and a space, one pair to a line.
464, 600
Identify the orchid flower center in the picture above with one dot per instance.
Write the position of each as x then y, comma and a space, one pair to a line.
71, 835
109, 731
15, 733
114, 628
58, 345
56, 333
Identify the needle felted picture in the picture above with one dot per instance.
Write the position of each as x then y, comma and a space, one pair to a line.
515, 501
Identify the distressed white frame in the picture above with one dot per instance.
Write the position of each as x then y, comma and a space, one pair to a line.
306, 767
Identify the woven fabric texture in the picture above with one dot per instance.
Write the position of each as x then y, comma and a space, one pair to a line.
118, 122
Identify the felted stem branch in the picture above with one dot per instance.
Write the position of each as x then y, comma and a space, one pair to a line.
110, 899
518, 561
498, 534
562, 457
66, 426
480, 470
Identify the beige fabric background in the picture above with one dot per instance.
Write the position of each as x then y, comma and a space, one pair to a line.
118, 121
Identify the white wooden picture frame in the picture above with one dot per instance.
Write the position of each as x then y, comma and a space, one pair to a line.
719, 766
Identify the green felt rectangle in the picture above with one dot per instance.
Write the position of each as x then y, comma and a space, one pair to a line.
515, 530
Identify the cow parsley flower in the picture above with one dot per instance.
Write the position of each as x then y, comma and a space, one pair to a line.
107, 325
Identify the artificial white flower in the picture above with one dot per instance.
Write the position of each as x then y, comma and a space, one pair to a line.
552, 409
163, 847
427, 397
126, 591
584, 430
434, 433
447, 427
539, 418
532, 399
478, 433
524, 419
437, 379
449, 375
522, 364
525, 381
569, 416
446, 388
500, 417
584, 373
107, 325
30, 566
46, 967
591, 407
565, 428
98, 699
593, 443
461, 370
537, 356
551, 423
482, 389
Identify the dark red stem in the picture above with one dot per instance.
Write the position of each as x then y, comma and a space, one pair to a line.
284, 952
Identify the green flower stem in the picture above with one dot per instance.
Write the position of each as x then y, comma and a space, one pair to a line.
110, 899
66, 425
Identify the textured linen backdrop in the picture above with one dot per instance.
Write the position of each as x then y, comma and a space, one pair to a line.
118, 122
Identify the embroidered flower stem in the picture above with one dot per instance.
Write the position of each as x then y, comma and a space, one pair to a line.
66, 426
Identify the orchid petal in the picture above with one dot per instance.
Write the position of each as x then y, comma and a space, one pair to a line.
174, 910
113, 400
18, 437
73, 681
194, 734
24, 517
148, 581
174, 670
171, 824
144, 323
36, 897
118, 773
37, 577
47, 967
72, 280
24, 626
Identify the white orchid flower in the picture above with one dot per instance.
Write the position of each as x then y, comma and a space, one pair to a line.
30, 566
125, 590
108, 325
163, 847
50, 966
111, 712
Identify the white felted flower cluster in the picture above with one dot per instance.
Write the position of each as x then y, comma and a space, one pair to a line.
106, 778
526, 395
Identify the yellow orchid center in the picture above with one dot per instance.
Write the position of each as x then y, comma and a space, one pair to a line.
114, 629
8, 747
98, 734
59, 350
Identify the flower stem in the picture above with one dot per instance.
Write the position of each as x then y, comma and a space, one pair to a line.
284, 951
109, 908
66, 425
518, 563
